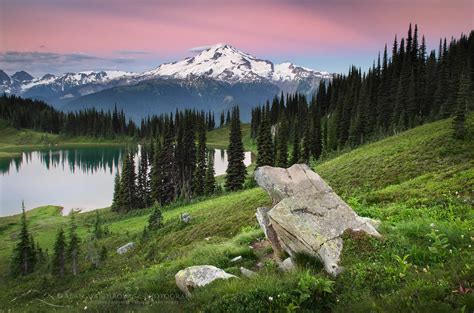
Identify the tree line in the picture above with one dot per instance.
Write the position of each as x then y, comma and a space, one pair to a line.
174, 164
37, 115
28, 256
397, 93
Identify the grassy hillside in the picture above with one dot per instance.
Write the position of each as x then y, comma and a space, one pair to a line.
13, 141
418, 183
219, 138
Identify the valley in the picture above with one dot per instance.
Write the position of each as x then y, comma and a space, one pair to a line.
416, 183
236, 156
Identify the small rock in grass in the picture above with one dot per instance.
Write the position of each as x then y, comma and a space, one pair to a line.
246, 272
185, 218
125, 248
199, 276
287, 265
236, 259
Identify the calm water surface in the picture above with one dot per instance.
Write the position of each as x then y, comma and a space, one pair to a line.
75, 178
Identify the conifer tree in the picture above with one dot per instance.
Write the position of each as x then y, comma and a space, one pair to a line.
296, 154
281, 159
188, 157
59, 256
117, 202
143, 186
128, 186
316, 146
210, 181
411, 106
307, 141
236, 170
222, 120
24, 256
460, 114
227, 119
200, 174
73, 244
155, 178
167, 193
97, 231
156, 219
264, 140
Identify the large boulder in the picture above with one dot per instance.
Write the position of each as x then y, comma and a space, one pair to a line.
199, 276
308, 216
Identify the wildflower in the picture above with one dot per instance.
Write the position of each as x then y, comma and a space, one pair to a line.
85, 308
270, 298
432, 225
425, 270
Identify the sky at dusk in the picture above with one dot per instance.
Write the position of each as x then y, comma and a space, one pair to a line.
56, 36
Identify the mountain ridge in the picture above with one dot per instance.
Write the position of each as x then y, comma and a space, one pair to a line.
229, 67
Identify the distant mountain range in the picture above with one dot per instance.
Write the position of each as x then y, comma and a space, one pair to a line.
215, 79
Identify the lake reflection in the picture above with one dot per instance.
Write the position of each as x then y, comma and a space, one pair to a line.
75, 178
220, 160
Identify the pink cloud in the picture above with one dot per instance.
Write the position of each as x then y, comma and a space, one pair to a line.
263, 27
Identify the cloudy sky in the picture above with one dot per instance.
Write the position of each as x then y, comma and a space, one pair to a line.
56, 36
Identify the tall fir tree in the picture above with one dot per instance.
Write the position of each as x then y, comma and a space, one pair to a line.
316, 145
155, 178
117, 202
296, 153
307, 140
128, 186
143, 181
73, 244
155, 220
264, 140
210, 181
97, 231
59, 256
24, 256
461, 108
281, 159
200, 174
236, 171
167, 170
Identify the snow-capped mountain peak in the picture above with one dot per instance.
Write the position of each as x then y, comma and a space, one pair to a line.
226, 63
221, 62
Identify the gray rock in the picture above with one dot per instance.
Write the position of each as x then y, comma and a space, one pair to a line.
270, 234
375, 223
236, 259
125, 248
185, 218
198, 276
308, 217
281, 183
247, 273
287, 265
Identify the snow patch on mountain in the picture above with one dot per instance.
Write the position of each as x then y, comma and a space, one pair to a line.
225, 63
69, 80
